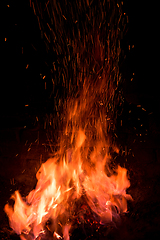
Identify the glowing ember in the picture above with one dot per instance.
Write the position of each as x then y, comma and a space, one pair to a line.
78, 179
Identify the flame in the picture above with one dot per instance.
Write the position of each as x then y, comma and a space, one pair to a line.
80, 168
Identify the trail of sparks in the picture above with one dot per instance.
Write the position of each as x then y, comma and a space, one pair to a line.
83, 39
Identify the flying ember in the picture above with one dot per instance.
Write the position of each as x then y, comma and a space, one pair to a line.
77, 183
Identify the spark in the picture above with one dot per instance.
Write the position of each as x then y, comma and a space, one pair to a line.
27, 66
64, 17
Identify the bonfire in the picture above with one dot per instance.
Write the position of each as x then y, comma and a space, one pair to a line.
77, 182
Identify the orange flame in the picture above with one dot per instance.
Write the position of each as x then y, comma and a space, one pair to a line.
79, 168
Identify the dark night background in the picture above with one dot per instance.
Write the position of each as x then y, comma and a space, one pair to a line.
24, 63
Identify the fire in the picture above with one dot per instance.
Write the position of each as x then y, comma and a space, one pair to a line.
79, 169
